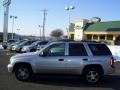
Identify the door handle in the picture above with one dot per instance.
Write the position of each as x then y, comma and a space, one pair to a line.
60, 59
85, 59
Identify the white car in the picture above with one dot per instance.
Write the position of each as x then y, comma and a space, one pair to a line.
33, 46
13, 44
19, 47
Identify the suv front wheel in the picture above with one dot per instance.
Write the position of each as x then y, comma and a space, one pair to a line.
23, 72
92, 76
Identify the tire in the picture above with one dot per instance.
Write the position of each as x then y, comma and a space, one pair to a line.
5, 47
92, 76
23, 72
32, 50
19, 51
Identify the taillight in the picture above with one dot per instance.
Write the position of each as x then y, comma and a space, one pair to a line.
112, 62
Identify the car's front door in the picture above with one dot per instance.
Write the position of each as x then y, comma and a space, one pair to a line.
52, 59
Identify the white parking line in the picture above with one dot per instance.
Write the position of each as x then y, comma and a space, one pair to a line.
10, 53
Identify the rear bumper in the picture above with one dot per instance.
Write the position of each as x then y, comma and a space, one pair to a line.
110, 70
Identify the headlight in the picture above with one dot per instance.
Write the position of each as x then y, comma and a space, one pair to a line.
14, 47
11, 60
25, 49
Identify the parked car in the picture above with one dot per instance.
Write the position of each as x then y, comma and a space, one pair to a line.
19, 47
6, 44
89, 60
13, 44
33, 46
43, 44
1, 40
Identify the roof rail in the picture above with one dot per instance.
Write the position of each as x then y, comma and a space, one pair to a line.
66, 40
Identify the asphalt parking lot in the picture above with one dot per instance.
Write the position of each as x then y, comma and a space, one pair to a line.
9, 82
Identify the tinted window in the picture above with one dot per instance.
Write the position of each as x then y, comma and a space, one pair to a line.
11, 41
77, 49
99, 49
43, 42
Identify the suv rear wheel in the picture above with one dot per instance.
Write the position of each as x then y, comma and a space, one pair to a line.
23, 72
92, 76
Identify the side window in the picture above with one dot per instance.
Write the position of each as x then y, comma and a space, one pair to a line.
43, 43
31, 42
56, 50
99, 49
26, 43
77, 49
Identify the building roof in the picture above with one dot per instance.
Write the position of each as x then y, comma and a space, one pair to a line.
109, 26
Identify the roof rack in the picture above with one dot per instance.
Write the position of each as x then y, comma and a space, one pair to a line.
91, 41
66, 40
71, 40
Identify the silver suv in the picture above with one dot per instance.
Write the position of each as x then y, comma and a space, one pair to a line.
91, 60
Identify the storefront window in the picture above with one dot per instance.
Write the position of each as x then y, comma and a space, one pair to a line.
109, 37
89, 37
95, 37
102, 37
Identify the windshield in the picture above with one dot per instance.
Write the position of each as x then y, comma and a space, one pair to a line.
18, 42
23, 42
35, 43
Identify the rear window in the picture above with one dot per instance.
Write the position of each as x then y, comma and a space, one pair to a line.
43, 42
11, 41
99, 49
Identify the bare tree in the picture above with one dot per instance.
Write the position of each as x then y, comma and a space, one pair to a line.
57, 33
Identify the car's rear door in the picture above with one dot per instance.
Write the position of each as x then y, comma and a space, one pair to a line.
76, 56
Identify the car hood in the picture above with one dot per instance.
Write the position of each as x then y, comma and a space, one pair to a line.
28, 46
17, 45
25, 56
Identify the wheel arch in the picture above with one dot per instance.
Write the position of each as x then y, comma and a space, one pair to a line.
22, 63
93, 66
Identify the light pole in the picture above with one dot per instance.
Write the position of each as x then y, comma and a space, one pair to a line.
69, 8
40, 30
6, 4
13, 17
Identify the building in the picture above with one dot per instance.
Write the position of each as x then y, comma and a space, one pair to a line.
15, 36
84, 29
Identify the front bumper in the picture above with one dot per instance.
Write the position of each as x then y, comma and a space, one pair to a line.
10, 68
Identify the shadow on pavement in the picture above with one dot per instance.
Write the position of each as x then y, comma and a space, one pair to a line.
112, 81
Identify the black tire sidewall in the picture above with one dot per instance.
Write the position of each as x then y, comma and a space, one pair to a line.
23, 66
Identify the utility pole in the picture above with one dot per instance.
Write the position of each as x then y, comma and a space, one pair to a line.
13, 17
40, 30
44, 21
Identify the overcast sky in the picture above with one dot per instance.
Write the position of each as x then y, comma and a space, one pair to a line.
30, 15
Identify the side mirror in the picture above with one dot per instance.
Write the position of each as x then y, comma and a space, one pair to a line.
43, 54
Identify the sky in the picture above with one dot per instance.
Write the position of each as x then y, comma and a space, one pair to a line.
30, 15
